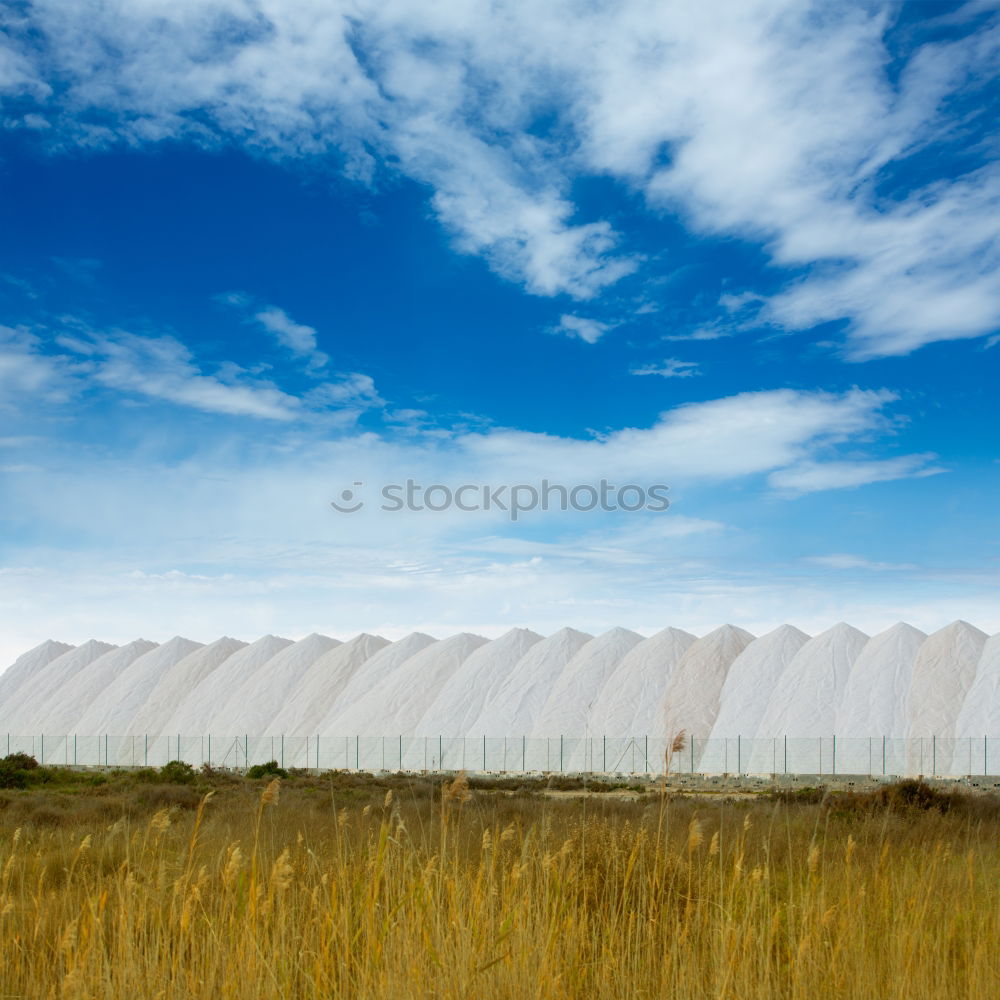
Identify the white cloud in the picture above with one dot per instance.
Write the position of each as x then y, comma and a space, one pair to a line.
812, 477
27, 373
296, 337
669, 368
772, 120
588, 330
845, 560
163, 368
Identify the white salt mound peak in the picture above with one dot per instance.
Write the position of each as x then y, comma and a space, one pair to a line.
874, 700
518, 702
980, 714
257, 700
60, 712
369, 678
171, 689
751, 678
398, 704
631, 701
691, 699
314, 696
943, 673
112, 710
804, 701
21, 708
567, 710
27, 665
734, 696
470, 689
196, 714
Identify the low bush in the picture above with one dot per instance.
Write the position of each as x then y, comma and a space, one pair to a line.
269, 769
178, 772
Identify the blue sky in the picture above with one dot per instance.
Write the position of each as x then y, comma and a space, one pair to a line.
257, 251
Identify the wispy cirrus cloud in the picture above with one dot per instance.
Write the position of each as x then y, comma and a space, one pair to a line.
297, 339
786, 124
668, 368
582, 328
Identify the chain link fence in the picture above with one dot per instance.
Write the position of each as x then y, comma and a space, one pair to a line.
829, 755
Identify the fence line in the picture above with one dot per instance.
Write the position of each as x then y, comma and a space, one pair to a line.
824, 756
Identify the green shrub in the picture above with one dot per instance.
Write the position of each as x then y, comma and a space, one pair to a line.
15, 770
270, 769
178, 772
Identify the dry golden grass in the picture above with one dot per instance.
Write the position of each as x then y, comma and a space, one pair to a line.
310, 890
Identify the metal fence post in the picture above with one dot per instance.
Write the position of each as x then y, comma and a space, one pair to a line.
560, 753
484, 753
834, 765
42, 753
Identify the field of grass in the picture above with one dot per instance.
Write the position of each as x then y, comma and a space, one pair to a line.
219, 887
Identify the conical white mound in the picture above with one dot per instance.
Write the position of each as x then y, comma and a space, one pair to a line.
631, 702
398, 704
59, 714
518, 702
691, 699
27, 666
874, 701
252, 705
752, 676
470, 689
361, 691
197, 712
567, 710
23, 707
171, 689
943, 673
980, 714
804, 701
113, 709
315, 695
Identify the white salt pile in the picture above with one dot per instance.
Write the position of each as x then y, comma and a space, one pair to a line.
874, 699
724, 690
752, 676
943, 673
361, 693
197, 711
567, 709
113, 710
26, 666
471, 688
173, 686
805, 698
22, 707
316, 693
691, 699
401, 701
255, 702
60, 713
631, 701
519, 700
980, 714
